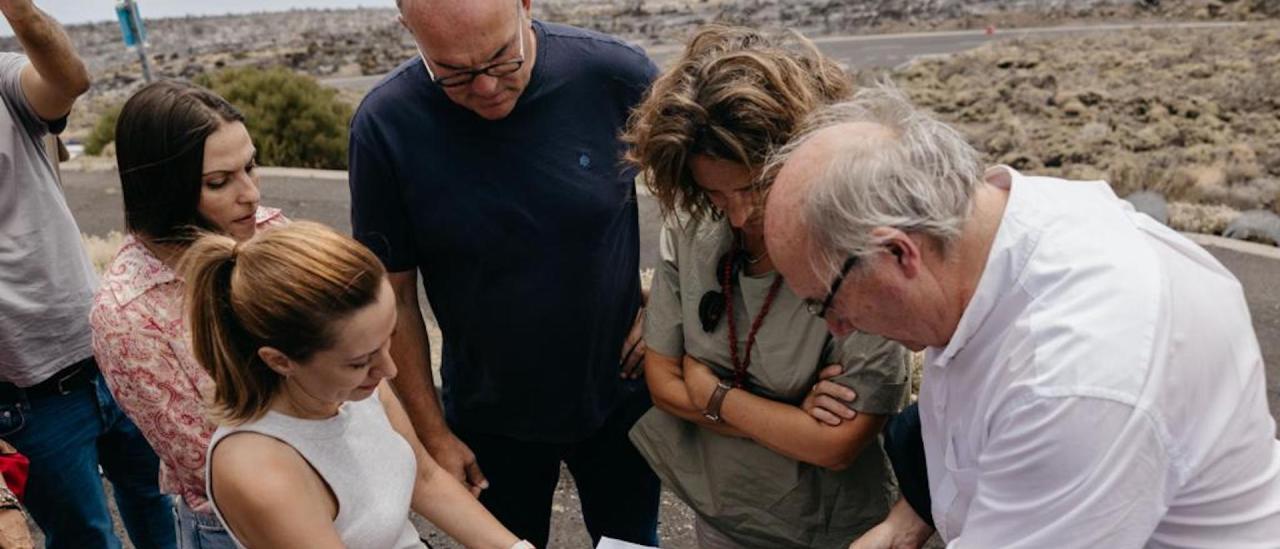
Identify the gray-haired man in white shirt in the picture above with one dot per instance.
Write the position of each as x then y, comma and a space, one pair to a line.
1092, 378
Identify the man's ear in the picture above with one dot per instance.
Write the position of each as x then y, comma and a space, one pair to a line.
906, 252
277, 361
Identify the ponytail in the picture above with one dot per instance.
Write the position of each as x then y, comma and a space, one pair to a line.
284, 288
219, 343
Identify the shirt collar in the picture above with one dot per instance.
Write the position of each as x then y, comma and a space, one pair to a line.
1009, 253
135, 270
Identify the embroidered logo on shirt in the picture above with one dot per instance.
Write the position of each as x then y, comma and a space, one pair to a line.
584, 161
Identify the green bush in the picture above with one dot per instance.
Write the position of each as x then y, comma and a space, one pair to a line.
294, 120
103, 133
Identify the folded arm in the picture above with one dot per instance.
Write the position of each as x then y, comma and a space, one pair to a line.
784, 428
667, 388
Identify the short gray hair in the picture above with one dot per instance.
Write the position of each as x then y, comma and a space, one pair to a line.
921, 179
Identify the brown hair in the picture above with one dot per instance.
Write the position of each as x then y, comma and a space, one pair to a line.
736, 94
283, 288
160, 139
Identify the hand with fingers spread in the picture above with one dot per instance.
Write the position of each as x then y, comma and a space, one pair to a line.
829, 401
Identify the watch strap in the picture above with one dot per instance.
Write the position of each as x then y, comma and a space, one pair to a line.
712, 412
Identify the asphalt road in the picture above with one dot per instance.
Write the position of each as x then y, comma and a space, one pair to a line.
886, 50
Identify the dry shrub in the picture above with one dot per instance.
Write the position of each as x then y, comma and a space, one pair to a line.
646, 279
1192, 114
1200, 184
1200, 218
102, 250
1255, 194
916, 369
1242, 163
1129, 173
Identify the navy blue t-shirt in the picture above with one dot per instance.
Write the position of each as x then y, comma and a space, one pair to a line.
524, 229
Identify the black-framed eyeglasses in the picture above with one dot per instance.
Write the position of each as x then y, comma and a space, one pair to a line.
819, 308
496, 70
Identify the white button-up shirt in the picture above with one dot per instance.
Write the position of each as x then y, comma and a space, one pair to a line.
1104, 388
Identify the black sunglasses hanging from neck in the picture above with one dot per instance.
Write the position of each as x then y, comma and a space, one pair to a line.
712, 305
716, 304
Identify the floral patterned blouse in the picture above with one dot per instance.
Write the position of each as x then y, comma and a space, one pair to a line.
143, 348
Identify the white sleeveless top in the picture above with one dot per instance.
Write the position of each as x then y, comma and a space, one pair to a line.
368, 465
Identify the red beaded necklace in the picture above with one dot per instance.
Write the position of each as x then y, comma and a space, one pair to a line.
726, 284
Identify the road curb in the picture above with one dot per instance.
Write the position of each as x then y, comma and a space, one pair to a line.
269, 171
304, 173
1242, 246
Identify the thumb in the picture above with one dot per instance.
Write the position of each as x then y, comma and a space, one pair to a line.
475, 477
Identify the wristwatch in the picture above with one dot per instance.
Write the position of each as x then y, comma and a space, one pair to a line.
717, 399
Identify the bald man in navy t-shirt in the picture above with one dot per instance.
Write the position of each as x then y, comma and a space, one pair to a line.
491, 165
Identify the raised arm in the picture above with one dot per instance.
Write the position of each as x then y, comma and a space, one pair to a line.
416, 387
55, 76
440, 498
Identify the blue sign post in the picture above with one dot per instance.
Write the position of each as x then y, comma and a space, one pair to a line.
135, 34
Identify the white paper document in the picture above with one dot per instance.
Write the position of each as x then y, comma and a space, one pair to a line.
610, 543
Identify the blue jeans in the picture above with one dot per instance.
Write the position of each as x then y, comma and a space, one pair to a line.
67, 437
618, 490
199, 530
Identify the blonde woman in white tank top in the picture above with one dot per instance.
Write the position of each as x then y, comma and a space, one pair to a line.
314, 450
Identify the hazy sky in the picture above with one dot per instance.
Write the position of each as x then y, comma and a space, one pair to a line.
83, 11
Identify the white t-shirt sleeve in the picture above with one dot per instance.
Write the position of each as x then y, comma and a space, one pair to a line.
1067, 472
11, 91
